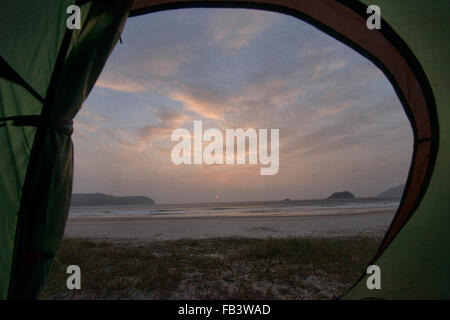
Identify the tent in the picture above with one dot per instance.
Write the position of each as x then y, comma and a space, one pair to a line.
47, 71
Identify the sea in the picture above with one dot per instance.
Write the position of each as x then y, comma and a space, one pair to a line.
233, 208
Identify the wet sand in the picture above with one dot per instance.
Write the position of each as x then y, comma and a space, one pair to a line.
313, 223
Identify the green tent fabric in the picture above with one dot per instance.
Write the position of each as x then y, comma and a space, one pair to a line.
416, 265
54, 69
47, 71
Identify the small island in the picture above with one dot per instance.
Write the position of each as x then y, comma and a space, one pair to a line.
395, 192
101, 199
342, 195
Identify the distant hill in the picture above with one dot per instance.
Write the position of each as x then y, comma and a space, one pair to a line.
342, 195
101, 199
395, 192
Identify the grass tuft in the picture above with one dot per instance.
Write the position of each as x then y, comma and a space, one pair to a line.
223, 268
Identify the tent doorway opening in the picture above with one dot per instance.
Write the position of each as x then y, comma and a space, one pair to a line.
345, 148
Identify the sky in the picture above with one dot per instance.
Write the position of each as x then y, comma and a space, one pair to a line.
341, 126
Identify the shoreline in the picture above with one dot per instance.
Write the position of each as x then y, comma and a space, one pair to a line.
315, 223
294, 213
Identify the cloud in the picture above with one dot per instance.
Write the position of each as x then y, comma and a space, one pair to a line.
356, 125
325, 67
240, 69
154, 137
87, 121
121, 82
78, 124
235, 30
330, 110
169, 120
206, 103
166, 61
89, 114
146, 71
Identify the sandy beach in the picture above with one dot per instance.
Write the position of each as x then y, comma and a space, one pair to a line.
320, 223
290, 254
